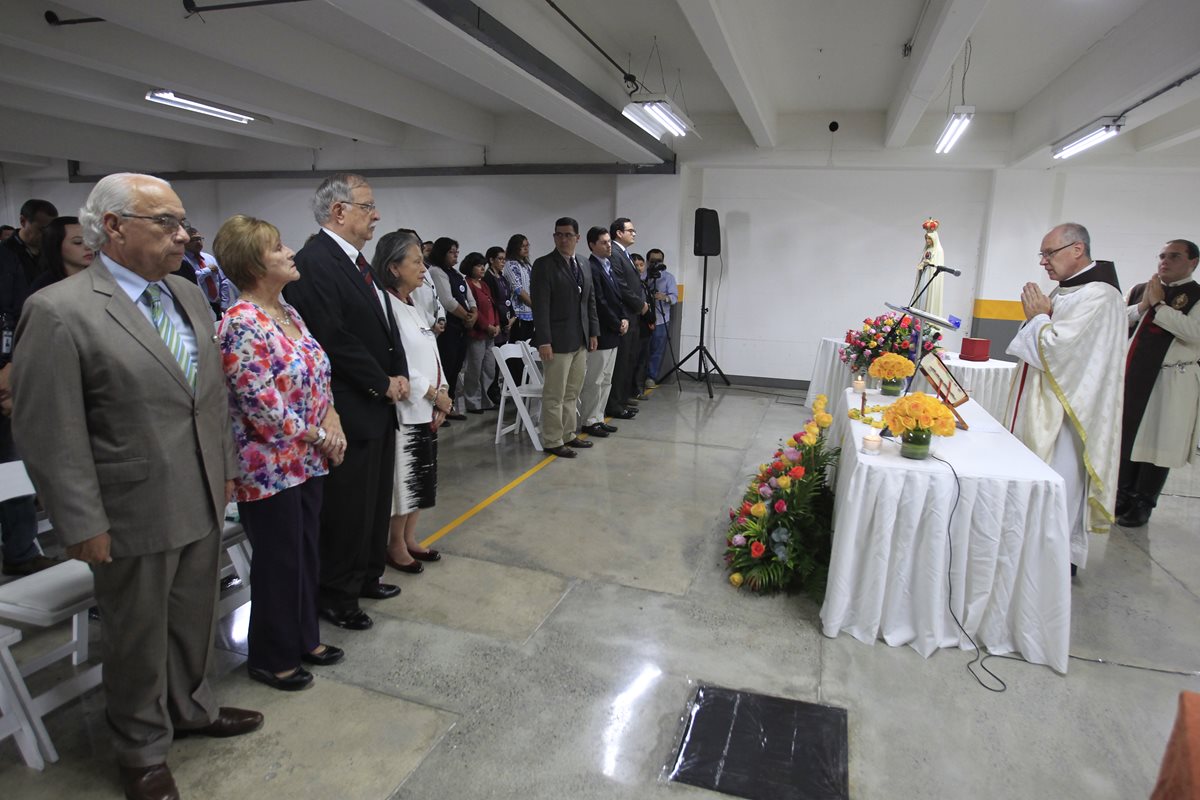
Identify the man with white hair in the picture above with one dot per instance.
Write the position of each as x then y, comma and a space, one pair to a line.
1065, 403
121, 412
339, 302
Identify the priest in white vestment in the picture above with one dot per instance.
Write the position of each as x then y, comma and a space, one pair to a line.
1065, 402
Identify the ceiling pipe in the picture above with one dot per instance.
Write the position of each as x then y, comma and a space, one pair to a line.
54, 21
191, 7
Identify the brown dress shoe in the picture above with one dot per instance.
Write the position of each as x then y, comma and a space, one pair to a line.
149, 783
229, 722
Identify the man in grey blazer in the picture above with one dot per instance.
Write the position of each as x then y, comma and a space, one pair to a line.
565, 329
121, 412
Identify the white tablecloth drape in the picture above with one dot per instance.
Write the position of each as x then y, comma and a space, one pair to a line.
1007, 550
830, 376
987, 382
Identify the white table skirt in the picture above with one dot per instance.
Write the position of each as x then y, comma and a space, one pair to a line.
987, 382
1010, 567
830, 376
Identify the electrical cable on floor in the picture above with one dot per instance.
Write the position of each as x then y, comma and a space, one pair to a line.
1108, 663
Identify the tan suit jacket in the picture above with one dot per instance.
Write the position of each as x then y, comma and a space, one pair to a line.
110, 430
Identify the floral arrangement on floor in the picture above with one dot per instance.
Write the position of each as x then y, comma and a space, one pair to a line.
781, 535
887, 333
891, 367
919, 412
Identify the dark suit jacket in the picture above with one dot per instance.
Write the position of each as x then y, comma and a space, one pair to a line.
564, 314
347, 317
608, 305
629, 281
110, 429
29, 263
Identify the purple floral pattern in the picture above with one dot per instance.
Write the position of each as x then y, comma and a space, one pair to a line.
278, 389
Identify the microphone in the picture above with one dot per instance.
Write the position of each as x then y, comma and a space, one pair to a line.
955, 272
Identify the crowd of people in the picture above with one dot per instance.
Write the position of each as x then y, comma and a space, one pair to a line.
149, 383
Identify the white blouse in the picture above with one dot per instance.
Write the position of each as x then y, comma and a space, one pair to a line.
424, 365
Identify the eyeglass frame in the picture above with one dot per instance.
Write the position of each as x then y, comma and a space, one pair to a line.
162, 221
1047, 255
368, 207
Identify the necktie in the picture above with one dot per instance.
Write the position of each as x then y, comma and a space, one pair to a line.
365, 269
170, 336
607, 268
575, 270
210, 283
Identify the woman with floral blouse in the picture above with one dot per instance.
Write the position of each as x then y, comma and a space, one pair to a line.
287, 435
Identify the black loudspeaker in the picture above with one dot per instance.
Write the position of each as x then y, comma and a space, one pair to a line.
708, 233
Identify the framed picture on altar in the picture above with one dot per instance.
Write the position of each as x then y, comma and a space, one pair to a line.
943, 382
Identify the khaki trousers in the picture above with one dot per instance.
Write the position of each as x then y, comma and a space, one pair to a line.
596, 385
563, 376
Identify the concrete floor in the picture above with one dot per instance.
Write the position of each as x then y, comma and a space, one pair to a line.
553, 651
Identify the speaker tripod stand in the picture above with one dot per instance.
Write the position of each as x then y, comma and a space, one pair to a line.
705, 364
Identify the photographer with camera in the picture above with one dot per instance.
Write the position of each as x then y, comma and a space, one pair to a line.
661, 293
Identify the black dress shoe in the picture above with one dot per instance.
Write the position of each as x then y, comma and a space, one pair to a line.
562, 451
300, 679
595, 430
412, 568
149, 783
474, 411
229, 722
632, 409
604, 426
428, 555
624, 413
330, 655
355, 619
458, 417
1137, 516
379, 591
580, 444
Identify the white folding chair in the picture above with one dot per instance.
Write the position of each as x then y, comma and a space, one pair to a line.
533, 365
523, 396
13, 719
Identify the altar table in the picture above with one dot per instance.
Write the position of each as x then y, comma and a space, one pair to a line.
1008, 548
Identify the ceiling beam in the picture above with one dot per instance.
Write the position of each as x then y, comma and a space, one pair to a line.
269, 47
943, 32
46, 136
466, 39
1155, 46
114, 50
24, 159
1169, 130
756, 110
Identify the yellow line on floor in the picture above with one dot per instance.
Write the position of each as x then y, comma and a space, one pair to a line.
487, 501
494, 496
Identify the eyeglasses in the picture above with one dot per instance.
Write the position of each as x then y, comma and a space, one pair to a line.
1047, 253
629, 230
562, 235
367, 207
168, 222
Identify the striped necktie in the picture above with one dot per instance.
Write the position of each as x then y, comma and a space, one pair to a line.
170, 336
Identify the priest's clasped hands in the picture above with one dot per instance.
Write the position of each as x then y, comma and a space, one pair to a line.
1035, 301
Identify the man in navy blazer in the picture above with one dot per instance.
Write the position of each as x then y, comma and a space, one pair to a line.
600, 362
565, 328
338, 300
621, 403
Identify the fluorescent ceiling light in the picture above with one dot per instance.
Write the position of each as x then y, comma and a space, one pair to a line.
168, 98
658, 115
955, 126
1091, 135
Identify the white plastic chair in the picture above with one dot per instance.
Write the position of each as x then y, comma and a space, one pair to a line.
13, 719
523, 396
533, 365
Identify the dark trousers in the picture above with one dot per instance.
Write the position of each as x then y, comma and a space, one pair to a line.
452, 348
622, 380
354, 520
1139, 481
18, 516
284, 530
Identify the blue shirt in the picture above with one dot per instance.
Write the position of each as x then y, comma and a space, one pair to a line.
665, 283
135, 285
517, 273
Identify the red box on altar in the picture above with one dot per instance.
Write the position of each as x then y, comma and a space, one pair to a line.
975, 349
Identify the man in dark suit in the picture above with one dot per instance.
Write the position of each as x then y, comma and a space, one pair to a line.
121, 412
565, 329
621, 403
26, 243
337, 298
600, 362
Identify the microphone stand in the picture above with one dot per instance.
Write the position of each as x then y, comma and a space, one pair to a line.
936, 271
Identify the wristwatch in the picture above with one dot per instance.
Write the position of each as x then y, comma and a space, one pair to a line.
322, 434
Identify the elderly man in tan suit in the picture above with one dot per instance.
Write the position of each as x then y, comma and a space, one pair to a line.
121, 412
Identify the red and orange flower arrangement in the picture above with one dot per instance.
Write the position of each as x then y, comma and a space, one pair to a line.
888, 333
781, 534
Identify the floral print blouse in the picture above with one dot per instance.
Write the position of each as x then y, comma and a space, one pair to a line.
278, 388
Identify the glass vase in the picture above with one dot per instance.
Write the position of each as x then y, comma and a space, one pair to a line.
915, 443
891, 387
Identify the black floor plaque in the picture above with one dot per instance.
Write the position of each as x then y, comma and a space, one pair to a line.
764, 748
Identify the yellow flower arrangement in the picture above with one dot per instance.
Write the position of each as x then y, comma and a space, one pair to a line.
891, 367
823, 419
820, 403
919, 411
758, 510
784, 482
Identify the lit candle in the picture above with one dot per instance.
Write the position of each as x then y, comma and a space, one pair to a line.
871, 444
859, 384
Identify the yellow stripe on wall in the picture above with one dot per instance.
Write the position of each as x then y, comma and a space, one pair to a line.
999, 309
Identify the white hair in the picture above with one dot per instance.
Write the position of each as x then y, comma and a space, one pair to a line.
114, 194
336, 188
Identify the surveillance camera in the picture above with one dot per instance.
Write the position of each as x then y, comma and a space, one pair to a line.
833, 126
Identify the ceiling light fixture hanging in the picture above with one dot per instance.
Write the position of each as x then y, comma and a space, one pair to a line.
1087, 137
657, 115
955, 126
168, 98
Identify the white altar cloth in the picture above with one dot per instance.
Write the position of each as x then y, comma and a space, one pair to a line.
830, 376
1010, 568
